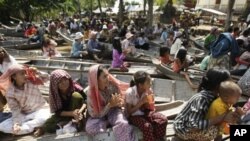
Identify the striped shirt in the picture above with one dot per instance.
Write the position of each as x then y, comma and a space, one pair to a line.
193, 116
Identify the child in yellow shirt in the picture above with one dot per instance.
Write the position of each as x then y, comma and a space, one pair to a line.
229, 94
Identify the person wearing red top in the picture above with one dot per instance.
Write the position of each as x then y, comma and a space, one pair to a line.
30, 31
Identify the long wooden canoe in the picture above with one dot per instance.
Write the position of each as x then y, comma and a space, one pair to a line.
11, 32
24, 46
84, 66
65, 37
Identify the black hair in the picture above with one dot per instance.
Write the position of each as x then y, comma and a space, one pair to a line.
235, 29
100, 70
171, 33
248, 47
230, 29
117, 44
141, 34
240, 42
164, 50
140, 77
245, 33
182, 53
213, 79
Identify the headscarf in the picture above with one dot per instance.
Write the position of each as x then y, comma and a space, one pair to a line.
93, 91
5, 78
54, 95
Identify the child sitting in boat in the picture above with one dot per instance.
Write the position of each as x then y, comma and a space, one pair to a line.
29, 108
229, 94
165, 55
119, 56
78, 46
141, 110
49, 48
180, 65
128, 44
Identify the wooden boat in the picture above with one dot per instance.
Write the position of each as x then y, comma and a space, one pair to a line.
168, 109
13, 41
11, 32
80, 67
198, 53
68, 39
198, 42
24, 46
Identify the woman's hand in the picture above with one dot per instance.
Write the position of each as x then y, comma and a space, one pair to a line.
116, 101
77, 115
144, 100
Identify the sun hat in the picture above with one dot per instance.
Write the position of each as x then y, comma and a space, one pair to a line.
104, 27
129, 35
78, 35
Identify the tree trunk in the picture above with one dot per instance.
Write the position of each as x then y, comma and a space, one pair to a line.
120, 13
100, 6
79, 10
91, 9
26, 10
150, 13
144, 7
229, 14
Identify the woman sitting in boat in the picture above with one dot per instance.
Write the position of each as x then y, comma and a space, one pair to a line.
66, 102
29, 108
49, 48
119, 56
180, 65
141, 110
219, 57
94, 48
104, 102
191, 122
78, 46
6, 60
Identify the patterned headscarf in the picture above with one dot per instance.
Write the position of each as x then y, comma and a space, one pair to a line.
93, 91
5, 78
54, 96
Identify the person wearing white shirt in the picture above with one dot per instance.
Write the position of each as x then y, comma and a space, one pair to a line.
128, 45
177, 44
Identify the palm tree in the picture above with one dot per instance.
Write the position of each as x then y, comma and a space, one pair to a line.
150, 12
229, 13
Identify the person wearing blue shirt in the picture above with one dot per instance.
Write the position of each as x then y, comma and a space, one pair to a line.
94, 48
78, 46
